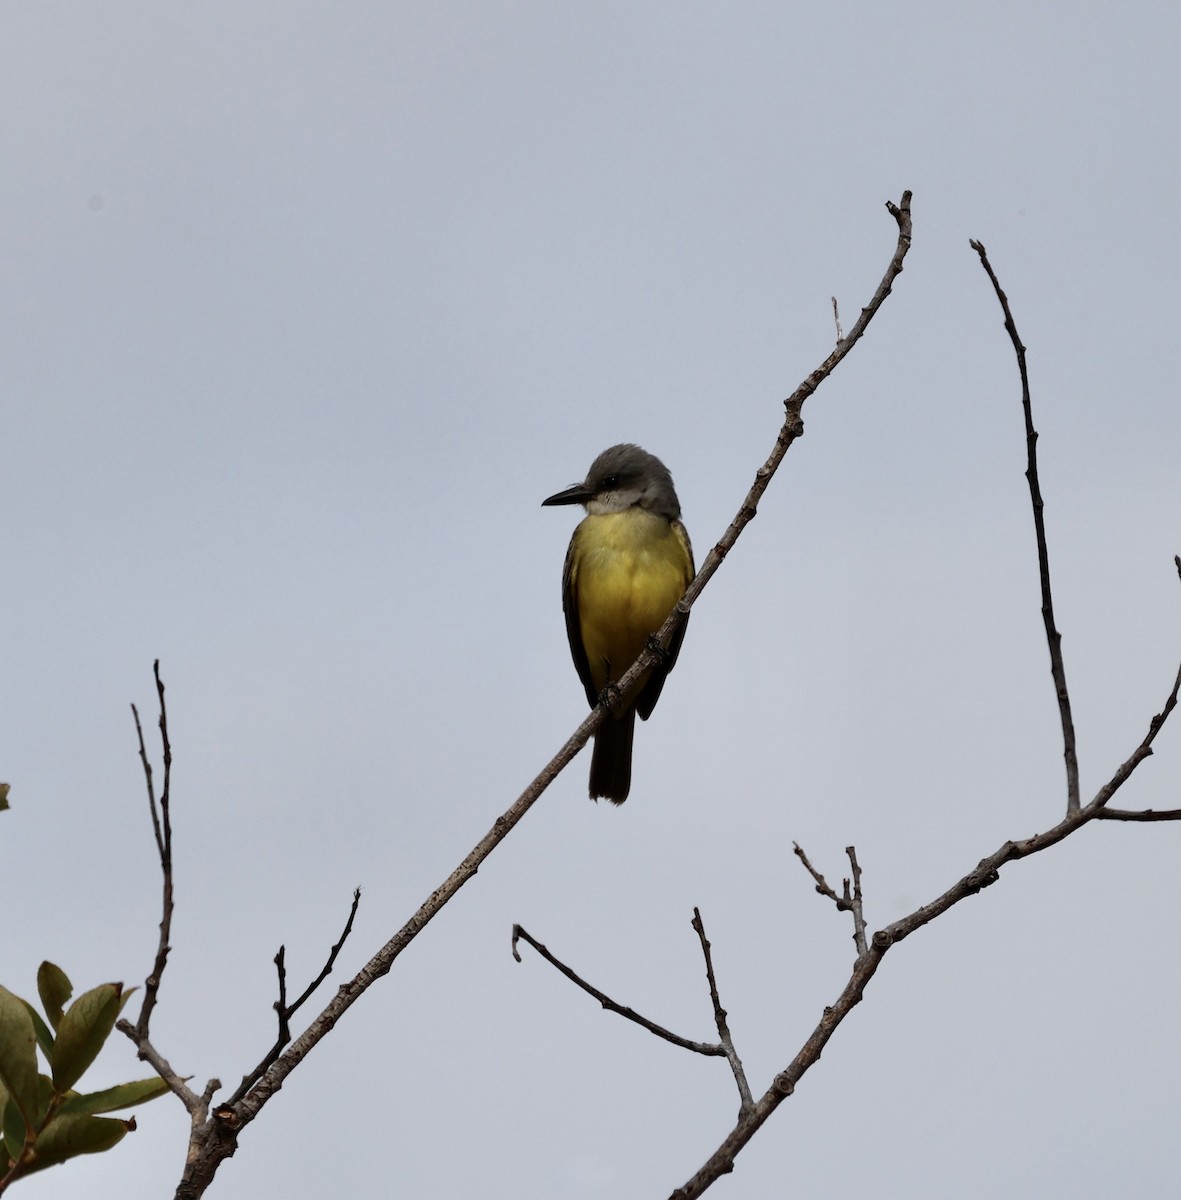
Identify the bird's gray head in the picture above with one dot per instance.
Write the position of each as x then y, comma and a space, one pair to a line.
623, 477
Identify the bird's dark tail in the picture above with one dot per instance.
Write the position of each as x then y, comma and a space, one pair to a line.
611, 759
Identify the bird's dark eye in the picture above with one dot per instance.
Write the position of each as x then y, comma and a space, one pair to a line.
611, 482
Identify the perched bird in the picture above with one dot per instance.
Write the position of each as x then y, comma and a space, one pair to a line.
628, 564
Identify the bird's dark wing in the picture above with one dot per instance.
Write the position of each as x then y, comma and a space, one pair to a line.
574, 628
650, 693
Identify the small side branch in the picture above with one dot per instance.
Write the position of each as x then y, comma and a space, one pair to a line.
286, 1011
1132, 814
849, 901
746, 1100
161, 814
853, 902
162, 829
708, 1048
983, 875
1053, 637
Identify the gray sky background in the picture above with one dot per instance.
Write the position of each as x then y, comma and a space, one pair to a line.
308, 306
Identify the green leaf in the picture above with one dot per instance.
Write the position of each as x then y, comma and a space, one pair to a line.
14, 1128
54, 988
3, 796
18, 1056
44, 1035
70, 1135
83, 1029
123, 1095
126, 996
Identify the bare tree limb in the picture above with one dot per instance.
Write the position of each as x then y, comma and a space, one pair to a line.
285, 1011
162, 828
216, 1139
822, 885
161, 814
849, 901
1053, 637
707, 1048
853, 902
986, 872
1145, 814
745, 1099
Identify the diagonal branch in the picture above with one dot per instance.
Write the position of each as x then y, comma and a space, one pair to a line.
1053, 637
381, 962
790, 431
984, 874
216, 1139
708, 1048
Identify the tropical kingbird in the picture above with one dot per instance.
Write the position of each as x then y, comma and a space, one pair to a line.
628, 564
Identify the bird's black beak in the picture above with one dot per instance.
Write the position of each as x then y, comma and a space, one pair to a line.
578, 494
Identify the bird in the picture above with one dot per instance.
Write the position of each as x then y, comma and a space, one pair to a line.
629, 562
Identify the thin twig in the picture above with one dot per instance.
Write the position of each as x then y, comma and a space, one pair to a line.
853, 902
326, 970
986, 873
1053, 637
822, 885
162, 828
285, 1011
148, 1053
707, 1048
1134, 814
850, 901
836, 316
745, 1099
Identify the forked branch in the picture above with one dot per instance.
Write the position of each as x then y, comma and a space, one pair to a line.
214, 1138
984, 874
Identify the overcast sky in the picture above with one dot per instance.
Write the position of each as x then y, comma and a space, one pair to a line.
306, 308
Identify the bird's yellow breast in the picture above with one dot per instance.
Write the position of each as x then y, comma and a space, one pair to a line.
629, 569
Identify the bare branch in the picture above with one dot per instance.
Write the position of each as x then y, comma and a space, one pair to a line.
790, 431
285, 1011
217, 1138
381, 962
986, 873
148, 1053
746, 1100
162, 828
850, 901
1053, 637
707, 1048
822, 885
1132, 814
853, 902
